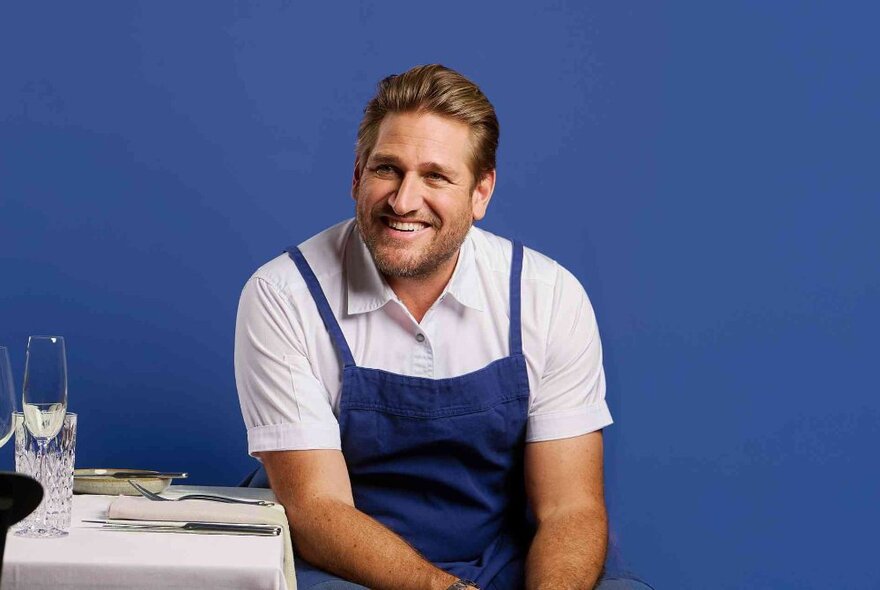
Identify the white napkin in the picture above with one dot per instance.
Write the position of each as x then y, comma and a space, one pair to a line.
138, 508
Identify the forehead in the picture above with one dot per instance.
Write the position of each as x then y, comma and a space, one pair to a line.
419, 137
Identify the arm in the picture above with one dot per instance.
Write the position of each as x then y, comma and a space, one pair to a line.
563, 456
332, 534
565, 489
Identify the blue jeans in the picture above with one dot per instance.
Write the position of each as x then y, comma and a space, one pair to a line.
604, 584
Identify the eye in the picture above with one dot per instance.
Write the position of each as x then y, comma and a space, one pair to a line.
436, 177
384, 170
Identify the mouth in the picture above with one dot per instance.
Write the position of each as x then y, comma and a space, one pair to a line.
405, 228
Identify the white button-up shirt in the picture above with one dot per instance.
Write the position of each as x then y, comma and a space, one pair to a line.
289, 375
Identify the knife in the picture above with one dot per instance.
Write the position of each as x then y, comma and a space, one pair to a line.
131, 474
166, 526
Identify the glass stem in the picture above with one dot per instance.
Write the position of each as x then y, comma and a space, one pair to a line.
42, 443
41, 446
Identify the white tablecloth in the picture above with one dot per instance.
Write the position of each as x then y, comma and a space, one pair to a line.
93, 558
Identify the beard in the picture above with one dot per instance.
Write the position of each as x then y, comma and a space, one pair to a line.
402, 259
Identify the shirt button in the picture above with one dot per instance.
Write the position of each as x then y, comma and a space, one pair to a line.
420, 337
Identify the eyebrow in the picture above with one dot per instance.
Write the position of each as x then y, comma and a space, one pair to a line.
380, 158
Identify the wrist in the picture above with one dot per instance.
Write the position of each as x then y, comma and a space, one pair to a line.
442, 580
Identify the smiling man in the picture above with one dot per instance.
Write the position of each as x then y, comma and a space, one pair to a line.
417, 196
427, 398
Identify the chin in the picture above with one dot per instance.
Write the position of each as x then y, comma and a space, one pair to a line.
398, 266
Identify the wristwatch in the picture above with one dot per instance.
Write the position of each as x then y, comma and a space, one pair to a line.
462, 584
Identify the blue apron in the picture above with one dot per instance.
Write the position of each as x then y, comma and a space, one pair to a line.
439, 461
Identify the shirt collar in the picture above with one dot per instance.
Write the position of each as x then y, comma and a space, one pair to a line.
464, 285
368, 290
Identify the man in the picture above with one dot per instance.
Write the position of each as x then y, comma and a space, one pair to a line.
411, 383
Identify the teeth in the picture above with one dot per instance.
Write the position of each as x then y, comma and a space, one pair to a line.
404, 226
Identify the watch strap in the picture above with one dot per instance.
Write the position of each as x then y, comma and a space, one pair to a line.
462, 584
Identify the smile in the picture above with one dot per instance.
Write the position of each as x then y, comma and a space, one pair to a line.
406, 227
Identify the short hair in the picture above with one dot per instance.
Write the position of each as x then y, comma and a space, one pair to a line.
435, 89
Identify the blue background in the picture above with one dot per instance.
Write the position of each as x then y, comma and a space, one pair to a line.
709, 171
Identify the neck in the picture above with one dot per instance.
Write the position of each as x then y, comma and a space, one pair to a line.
419, 294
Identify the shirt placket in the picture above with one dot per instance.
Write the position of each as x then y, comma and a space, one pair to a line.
423, 352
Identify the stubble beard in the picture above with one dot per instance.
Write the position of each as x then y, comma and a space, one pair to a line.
386, 252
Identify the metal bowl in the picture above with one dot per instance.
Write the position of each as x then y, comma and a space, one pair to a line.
102, 482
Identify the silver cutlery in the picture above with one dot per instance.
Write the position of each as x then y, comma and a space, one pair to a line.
209, 528
157, 498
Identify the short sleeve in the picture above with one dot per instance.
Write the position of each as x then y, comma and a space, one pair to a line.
570, 398
284, 406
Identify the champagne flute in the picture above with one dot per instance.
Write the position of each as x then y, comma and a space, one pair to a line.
44, 397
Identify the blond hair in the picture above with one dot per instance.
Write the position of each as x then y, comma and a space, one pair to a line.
435, 89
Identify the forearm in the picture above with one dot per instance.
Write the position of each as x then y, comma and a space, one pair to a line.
338, 538
568, 551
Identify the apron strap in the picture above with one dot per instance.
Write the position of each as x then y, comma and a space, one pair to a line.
323, 306
515, 292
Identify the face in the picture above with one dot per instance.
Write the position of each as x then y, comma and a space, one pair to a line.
416, 195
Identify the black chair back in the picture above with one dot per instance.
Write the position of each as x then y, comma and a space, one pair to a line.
258, 478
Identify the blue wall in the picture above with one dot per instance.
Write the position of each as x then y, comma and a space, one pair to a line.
709, 172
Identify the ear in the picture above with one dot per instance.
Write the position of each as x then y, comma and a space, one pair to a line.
482, 193
355, 179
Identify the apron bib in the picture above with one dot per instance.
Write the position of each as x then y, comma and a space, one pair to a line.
439, 461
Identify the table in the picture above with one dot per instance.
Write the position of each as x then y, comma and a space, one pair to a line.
94, 558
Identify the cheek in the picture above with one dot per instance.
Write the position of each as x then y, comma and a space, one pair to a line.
364, 197
372, 191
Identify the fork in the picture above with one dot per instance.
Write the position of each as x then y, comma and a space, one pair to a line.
157, 498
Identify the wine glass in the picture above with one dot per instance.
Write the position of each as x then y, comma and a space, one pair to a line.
7, 398
19, 494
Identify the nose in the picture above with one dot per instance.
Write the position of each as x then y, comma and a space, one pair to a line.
408, 197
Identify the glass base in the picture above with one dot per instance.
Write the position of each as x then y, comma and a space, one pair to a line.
35, 532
